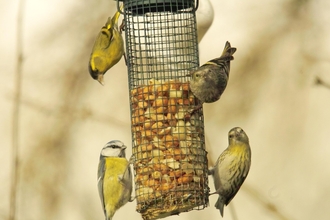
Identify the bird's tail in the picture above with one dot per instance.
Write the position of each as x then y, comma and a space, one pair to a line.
114, 20
226, 56
228, 52
219, 205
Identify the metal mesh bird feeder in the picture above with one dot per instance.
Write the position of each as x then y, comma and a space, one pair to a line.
170, 165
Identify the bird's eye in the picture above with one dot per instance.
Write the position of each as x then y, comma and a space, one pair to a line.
197, 75
114, 146
231, 136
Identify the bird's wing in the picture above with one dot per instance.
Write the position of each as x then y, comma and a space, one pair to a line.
105, 38
100, 178
245, 171
126, 177
238, 183
126, 180
130, 182
234, 192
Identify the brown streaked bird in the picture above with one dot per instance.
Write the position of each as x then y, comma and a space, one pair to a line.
231, 168
209, 81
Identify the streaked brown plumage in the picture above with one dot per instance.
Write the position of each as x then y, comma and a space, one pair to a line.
231, 168
209, 81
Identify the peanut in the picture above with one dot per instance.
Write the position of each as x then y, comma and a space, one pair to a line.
167, 141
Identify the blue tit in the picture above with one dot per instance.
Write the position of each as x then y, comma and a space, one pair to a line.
107, 50
209, 81
114, 178
231, 168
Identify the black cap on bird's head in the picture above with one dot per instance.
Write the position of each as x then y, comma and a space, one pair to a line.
93, 71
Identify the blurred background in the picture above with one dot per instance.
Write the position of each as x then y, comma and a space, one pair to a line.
278, 92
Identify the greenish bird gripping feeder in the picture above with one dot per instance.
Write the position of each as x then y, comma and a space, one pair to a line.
170, 166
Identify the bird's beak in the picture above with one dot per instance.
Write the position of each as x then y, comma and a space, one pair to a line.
122, 151
100, 79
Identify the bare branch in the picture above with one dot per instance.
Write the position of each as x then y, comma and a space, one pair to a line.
16, 113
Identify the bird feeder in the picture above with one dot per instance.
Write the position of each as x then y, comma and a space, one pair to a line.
170, 166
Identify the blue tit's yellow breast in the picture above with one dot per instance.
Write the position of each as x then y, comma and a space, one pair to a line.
115, 165
113, 189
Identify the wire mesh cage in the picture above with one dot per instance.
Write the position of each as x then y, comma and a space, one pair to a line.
168, 141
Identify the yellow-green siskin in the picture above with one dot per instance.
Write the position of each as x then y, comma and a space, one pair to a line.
114, 178
107, 50
209, 81
231, 168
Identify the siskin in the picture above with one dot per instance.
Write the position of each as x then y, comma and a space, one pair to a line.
210, 80
107, 50
114, 178
231, 168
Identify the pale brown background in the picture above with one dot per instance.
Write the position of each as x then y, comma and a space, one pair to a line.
66, 117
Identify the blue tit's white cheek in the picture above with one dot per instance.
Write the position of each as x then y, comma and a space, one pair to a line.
110, 152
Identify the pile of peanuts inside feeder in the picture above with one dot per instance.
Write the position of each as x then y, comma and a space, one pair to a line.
170, 158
